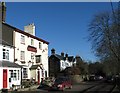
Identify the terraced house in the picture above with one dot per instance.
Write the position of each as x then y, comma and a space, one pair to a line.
59, 63
10, 72
30, 52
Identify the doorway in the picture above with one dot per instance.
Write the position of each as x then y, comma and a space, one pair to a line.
4, 78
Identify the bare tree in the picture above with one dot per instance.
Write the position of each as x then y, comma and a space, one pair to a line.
104, 34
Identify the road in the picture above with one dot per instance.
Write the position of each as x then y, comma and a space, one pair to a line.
95, 87
84, 87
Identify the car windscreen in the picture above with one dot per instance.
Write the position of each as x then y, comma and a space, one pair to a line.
59, 80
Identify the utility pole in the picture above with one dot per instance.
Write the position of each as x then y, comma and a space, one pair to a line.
118, 28
0, 22
118, 16
116, 23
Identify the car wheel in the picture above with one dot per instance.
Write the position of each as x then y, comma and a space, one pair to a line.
70, 87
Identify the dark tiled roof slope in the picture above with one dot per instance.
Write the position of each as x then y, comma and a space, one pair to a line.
25, 33
70, 58
9, 64
59, 57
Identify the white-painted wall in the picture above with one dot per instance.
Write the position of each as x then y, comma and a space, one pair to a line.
13, 81
11, 53
62, 65
23, 47
9, 84
65, 63
11, 59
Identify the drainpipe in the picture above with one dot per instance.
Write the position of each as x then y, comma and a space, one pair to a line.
21, 77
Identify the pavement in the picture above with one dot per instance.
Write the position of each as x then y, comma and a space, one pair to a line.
34, 87
31, 88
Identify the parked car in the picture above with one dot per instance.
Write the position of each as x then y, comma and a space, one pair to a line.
62, 83
92, 78
46, 83
109, 79
97, 78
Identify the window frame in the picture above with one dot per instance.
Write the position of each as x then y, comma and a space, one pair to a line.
32, 42
5, 54
38, 58
25, 73
14, 75
40, 45
22, 40
32, 56
22, 55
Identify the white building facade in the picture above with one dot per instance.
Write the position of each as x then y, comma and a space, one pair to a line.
31, 52
67, 62
9, 71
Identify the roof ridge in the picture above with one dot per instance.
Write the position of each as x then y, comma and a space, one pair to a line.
25, 33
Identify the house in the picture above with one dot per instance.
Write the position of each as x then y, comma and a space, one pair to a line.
59, 63
10, 72
30, 52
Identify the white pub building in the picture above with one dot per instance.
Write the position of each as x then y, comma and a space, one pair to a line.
29, 51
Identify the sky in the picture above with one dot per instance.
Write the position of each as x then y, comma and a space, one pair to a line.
63, 24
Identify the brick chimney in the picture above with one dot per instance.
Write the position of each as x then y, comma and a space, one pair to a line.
3, 12
62, 54
66, 56
52, 51
30, 29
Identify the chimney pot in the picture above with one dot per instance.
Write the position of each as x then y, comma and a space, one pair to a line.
62, 54
3, 11
66, 55
53, 51
30, 28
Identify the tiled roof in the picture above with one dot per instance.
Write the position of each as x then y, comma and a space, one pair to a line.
59, 57
25, 33
70, 58
5, 43
9, 64
35, 66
